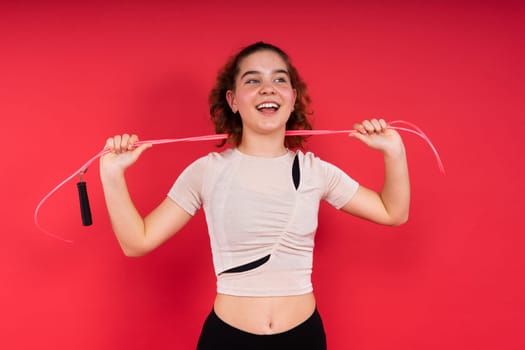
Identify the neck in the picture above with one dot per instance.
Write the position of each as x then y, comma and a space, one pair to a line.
263, 145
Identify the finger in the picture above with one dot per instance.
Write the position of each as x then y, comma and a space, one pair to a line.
376, 125
117, 139
359, 128
124, 142
383, 123
369, 127
110, 144
132, 141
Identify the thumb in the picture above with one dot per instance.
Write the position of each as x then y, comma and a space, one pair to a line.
140, 149
359, 136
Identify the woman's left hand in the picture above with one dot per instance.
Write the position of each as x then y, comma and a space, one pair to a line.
376, 134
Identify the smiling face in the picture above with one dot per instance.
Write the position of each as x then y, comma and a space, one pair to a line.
263, 93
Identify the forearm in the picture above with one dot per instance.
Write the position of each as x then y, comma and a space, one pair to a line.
126, 221
396, 188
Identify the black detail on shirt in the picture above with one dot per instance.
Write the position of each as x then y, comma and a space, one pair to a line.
296, 172
249, 266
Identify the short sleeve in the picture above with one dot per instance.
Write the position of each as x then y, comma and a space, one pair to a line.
187, 189
339, 187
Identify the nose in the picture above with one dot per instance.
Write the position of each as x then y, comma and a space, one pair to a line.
267, 89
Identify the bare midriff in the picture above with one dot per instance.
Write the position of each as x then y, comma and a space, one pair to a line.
264, 315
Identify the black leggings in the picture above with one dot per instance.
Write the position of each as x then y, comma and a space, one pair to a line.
218, 335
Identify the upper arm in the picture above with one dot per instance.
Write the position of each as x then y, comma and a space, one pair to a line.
162, 223
368, 205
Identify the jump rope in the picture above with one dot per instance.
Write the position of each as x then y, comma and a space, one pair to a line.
85, 210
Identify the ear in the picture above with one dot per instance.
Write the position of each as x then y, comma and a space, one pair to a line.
230, 97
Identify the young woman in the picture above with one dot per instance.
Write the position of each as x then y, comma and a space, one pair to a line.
261, 199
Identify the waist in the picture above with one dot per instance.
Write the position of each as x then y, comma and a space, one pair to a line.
282, 274
264, 315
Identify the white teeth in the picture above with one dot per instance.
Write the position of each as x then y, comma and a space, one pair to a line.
268, 105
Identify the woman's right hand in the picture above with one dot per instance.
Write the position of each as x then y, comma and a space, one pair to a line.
122, 153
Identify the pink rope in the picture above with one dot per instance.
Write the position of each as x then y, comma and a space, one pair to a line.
402, 126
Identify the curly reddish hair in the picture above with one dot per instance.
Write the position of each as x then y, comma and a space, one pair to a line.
230, 123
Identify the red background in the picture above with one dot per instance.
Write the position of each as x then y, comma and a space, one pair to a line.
73, 74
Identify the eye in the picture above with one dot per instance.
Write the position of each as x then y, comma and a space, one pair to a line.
251, 81
281, 80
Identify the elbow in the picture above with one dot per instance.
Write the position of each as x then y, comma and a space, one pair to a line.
133, 252
399, 220
133, 245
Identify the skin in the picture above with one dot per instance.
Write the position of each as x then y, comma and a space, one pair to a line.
262, 78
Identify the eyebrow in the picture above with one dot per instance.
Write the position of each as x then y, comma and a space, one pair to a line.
277, 71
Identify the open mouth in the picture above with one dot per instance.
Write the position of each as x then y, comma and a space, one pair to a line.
267, 107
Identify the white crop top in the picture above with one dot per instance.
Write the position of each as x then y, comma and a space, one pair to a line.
253, 210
